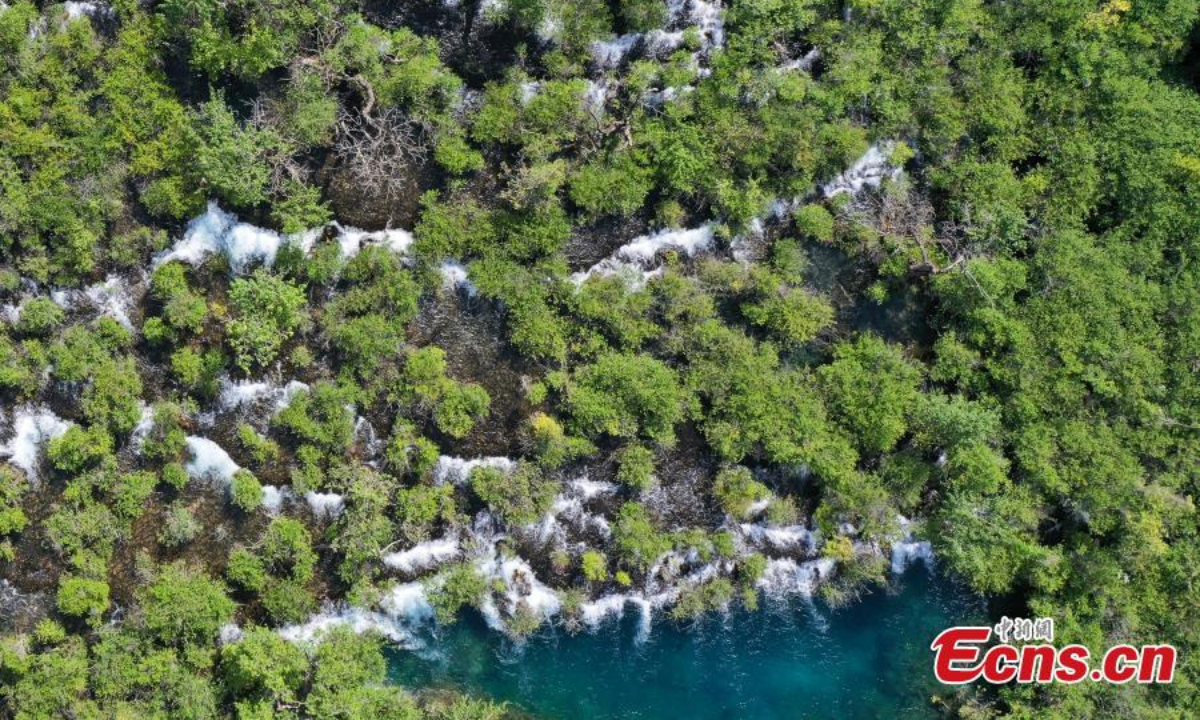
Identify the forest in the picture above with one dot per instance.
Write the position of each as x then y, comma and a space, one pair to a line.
322, 320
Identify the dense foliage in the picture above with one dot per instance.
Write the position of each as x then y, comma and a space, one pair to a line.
789, 265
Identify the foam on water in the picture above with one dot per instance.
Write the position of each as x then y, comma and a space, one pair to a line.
210, 461
235, 394
423, 556
785, 576
457, 470
869, 170
793, 537
86, 9
33, 427
400, 613
586, 488
325, 506
229, 632
909, 550
113, 298
455, 275
273, 497
220, 232
521, 589
352, 240
407, 602
608, 54
635, 257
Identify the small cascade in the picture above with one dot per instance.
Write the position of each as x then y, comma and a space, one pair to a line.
144, 425
423, 556
273, 497
455, 276
113, 298
785, 576
790, 538
521, 590
909, 550
325, 506
242, 394
220, 232
400, 615
210, 461
33, 427
229, 633
705, 16
804, 62
870, 170
635, 260
76, 10
352, 240
608, 54
456, 470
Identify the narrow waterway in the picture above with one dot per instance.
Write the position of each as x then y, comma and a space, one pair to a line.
788, 660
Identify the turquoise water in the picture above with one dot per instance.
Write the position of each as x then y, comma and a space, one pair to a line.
785, 661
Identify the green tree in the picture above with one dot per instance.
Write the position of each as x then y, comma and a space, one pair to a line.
594, 566
349, 676
872, 388
635, 467
245, 491
229, 156
453, 588
626, 396
112, 399
83, 598
637, 541
267, 311
520, 497
182, 607
262, 665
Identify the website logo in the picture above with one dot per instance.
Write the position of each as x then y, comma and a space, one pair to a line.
1024, 653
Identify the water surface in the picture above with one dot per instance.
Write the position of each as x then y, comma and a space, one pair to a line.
788, 660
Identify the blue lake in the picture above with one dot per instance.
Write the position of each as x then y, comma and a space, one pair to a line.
787, 660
